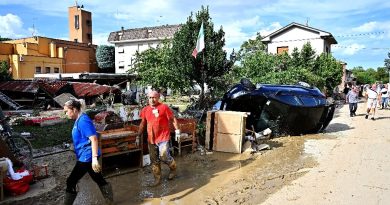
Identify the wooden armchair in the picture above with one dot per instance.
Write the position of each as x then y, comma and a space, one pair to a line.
188, 135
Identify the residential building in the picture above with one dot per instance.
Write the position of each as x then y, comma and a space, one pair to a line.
128, 41
295, 35
35, 55
39, 55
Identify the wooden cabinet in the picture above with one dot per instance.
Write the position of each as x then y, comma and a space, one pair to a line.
225, 131
119, 142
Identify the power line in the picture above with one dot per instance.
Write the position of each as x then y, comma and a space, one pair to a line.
341, 36
366, 48
361, 34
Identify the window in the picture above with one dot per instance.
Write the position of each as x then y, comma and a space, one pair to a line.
76, 40
56, 70
47, 69
89, 36
76, 22
121, 67
89, 23
282, 49
121, 50
38, 69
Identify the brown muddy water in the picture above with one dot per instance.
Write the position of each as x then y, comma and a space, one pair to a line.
213, 178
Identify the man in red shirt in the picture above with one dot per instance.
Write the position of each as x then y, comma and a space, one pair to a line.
158, 116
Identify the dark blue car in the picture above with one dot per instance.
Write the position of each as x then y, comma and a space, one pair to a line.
286, 109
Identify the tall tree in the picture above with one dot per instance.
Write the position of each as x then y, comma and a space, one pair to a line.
328, 72
211, 64
105, 57
251, 46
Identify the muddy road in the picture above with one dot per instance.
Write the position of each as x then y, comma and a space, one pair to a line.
349, 164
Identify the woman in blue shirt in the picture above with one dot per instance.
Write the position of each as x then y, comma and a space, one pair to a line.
85, 142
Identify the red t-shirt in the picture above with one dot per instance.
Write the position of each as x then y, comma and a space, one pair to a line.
158, 119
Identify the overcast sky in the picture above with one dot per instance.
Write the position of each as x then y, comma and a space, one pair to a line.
361, 27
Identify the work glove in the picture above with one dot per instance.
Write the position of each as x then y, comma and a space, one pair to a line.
177, 135
137, 140
95, 165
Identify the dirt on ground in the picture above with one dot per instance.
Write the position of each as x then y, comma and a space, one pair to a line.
348, 164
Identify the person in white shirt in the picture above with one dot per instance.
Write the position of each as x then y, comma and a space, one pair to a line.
372, 100
385, 96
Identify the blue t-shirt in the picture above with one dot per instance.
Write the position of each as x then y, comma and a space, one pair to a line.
83, 128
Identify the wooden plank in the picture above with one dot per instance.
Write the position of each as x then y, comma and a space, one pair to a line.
125, 148
208, 129
230, 122
229, 143
121, 134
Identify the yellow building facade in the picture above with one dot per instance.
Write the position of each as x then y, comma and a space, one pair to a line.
36, 55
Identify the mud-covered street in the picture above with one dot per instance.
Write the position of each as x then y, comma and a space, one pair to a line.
349, 164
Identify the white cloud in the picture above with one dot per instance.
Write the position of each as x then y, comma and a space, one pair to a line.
11, 26
367, 27
240, 30
100, 39
352, 49
269, 29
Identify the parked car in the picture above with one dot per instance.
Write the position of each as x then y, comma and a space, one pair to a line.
286, 109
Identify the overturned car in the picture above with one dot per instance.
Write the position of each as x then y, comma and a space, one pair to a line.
286, 109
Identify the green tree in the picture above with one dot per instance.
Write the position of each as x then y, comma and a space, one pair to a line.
153, 67
211, 64
4, 39
105, 57
328, 71
4, 71
323, 71
368, 76
251, 46
307, 56
382, 74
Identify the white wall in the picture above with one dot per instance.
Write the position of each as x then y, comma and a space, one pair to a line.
297, 37
125, 53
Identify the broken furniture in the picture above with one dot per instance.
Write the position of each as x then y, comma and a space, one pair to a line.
107, 120
187, 138
225, 131
119, 142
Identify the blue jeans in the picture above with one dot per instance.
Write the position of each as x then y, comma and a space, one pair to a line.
385, 102
352, 108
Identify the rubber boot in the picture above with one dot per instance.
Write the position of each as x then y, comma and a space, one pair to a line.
69, 198
156, 169
107, 193
172, 170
